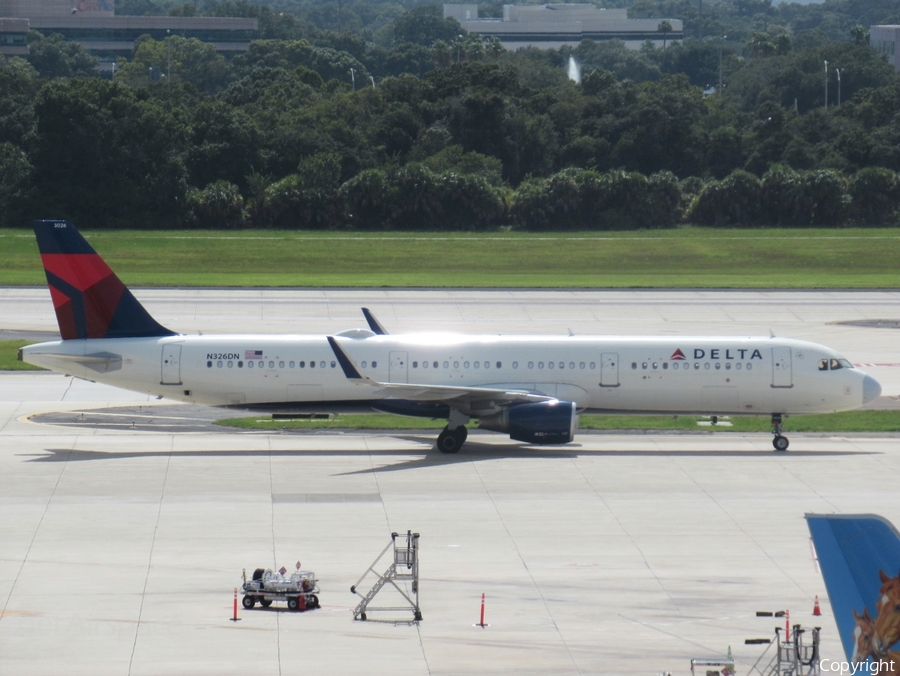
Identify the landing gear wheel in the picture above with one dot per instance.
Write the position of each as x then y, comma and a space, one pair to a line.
780, 443
449, 442
293, 603
248, 602
264, 603
462, 433
312, 601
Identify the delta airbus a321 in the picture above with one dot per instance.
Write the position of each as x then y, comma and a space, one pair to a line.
530, 387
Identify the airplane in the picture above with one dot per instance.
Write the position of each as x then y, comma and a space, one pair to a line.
859, 556
530, 387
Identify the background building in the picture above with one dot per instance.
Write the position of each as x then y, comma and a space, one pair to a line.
551, 26
884, 39
94, 25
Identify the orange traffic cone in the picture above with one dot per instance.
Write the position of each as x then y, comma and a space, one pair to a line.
816, 609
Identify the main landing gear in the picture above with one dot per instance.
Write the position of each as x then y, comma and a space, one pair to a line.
780, 442
450, 441
454, 434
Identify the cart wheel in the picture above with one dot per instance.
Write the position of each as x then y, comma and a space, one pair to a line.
265, 603
362, 616
312, 601
418, 616
293, 603
249, 602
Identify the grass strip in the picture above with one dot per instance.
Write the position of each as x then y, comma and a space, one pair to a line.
686, 257
849, 421
9, 361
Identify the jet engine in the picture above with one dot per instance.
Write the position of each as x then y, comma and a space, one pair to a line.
543, 422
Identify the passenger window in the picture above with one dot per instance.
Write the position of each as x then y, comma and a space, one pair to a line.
209, 364
219, 364
706, 366
550, 365
581, 365
499, 364
593, 365
696, 365
231, 364
456, 364
374, 364
281, 364
271, 364
416, 364
686, 366
665, 366
290, 364
749, 367
435, 364
540, 364
644, 365
322, 364
424, 364
531, 364
487, 364
655, 366
333, 364
477, 364
249, 364
835, 365
675, 366
633, 365
446, 364
465, 364
718, 366
728, 366
515, 364
737, 366
303, 364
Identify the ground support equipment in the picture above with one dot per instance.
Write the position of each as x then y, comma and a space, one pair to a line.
403, 568
300, 590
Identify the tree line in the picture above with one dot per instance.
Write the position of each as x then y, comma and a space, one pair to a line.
336, 131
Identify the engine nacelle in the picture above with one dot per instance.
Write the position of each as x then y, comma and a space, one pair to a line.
543, 422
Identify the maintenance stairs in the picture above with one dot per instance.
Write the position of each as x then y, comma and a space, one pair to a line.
404, 568
792, 656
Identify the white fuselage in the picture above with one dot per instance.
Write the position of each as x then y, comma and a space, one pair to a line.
702, 375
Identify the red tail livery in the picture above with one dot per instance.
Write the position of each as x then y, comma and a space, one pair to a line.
90, 301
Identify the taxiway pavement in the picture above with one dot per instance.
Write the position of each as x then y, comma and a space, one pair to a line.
617, 554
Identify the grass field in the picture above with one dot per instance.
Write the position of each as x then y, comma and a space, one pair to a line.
851, 421
684, 258
9, 350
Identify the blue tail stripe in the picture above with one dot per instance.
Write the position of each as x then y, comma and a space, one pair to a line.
852, 551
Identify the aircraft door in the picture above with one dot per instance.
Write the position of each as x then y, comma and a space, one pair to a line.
609, 369
171, 365
398, 371
782, 374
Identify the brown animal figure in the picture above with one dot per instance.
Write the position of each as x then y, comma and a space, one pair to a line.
863, 636
887, 620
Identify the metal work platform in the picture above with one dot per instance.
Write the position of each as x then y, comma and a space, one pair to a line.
403, 568
792, 656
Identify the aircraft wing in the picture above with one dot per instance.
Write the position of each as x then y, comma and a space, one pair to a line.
476, 401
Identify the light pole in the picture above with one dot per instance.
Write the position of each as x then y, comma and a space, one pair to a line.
458, 45
353, 78
168, 58
719, 91
838, 71
826, 84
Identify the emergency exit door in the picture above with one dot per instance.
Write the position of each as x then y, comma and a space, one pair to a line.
609, 369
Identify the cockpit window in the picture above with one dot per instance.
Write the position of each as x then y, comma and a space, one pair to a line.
823, 364
845, 363
836, 364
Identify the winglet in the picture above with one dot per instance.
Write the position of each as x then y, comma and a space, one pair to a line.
346, 363
859, 555
374, 324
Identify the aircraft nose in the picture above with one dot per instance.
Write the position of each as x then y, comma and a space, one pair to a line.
871, 389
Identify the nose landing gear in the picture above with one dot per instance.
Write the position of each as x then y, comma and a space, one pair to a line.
780, 442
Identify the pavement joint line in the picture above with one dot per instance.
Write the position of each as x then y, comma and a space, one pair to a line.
274, 555
12, 587
534, 584
162, 493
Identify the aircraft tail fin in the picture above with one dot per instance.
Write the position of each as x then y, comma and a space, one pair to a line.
90, 300
859, 555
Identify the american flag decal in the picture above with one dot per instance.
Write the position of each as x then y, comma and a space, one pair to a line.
253, 354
